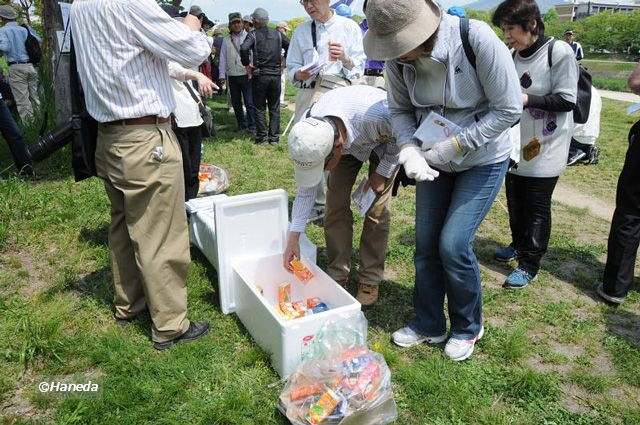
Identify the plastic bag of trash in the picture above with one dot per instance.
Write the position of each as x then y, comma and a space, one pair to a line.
341, 382
213, 180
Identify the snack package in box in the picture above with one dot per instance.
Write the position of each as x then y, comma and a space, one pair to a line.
300, 271
342, 382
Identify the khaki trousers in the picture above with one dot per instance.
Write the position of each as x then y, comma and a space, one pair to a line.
23, 80
148, 240
338, 224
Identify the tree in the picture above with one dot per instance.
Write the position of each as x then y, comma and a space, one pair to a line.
26, 8
551, 17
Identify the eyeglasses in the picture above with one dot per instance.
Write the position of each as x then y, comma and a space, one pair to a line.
306, 2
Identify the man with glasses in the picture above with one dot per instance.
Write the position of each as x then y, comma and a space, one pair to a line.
345, 128
326, 39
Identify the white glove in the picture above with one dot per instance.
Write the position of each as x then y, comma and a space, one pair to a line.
415, 165
444, 152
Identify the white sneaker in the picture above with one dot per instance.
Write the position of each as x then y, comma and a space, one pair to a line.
461, 349
407, 337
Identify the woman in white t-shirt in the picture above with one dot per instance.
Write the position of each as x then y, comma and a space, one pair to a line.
548, 74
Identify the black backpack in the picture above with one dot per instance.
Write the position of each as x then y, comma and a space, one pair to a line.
32, 46
583, 99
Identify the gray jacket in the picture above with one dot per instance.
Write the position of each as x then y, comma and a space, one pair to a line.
485, 101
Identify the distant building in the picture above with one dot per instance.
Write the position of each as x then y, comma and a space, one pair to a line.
582, 9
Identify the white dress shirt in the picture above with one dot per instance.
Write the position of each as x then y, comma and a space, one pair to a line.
365, 114
337, 29
122, 48
187, 112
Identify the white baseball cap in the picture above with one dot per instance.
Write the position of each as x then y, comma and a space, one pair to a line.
310, 142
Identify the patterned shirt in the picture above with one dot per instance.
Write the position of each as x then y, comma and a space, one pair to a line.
122, 48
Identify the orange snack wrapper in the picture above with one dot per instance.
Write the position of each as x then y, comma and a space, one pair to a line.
300, 307
300, 271
306, 391
319, 411
312, 302
284, 293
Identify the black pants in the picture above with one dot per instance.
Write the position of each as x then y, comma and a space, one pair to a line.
13, 136
239, 90
624, 236
266, 92
529, 202
190, 139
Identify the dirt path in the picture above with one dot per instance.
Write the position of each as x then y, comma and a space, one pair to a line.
570, 196
618, 95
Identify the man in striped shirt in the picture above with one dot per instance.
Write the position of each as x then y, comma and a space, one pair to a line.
122, 48
345, 128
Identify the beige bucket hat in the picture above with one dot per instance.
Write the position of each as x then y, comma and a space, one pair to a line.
398, 26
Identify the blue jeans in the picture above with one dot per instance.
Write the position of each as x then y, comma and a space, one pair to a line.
449, 211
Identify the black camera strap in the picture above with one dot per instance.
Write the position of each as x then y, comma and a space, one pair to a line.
192, 93
314, 35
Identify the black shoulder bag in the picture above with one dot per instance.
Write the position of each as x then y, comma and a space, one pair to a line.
207, 127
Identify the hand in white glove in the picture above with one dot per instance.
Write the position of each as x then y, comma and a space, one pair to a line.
444, 152
415, 165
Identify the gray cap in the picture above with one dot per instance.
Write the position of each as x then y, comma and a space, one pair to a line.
398, 26
195, 10
260, 14
247, 18
8, 12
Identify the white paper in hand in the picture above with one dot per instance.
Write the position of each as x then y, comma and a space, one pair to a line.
434, 129
314, 66
363, 199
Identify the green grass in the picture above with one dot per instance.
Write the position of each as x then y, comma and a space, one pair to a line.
610, 83
551, 353
609, 75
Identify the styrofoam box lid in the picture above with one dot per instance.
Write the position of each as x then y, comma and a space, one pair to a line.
247, 226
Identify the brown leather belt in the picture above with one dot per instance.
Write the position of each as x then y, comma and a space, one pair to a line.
149, 119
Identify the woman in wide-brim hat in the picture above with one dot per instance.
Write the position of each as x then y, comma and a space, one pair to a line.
428, 70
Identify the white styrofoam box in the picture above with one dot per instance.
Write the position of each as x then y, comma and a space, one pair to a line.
251, 225
202, 228
286, 341
244, 238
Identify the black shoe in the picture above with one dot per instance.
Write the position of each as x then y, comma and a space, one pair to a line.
27, 171
260, 141
575, 155
592, 156
124, 322
274, 141
195, 331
